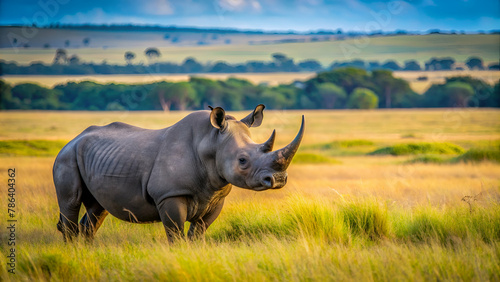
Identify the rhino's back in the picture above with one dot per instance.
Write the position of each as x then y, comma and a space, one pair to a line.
117, 149
115, 162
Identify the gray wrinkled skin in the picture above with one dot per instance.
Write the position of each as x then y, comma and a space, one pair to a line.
173, 175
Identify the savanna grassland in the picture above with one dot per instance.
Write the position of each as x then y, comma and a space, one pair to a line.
372, 196
113, 45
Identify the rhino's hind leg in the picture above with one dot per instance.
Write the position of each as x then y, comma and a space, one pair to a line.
93, 218
67, 224
69, 189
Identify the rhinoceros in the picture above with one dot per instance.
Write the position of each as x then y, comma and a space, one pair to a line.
173, 175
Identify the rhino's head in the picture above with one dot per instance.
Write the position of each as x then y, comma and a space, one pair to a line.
244, 163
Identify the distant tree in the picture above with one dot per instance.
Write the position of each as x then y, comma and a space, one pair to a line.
362, 98
347, 78
412, 65
66, 43
360, 64
61, 56
86, 41
190, 65
435, 64
392, 91
74, 60
222, 67
373, 65
329, 96
274, 99
494, 100
209, 91
46, 46
115, 106
129, 56
455, 92
152, 53
475, 63
227, 41
279, 57
483, 92
6, 101
458, 93
494, 66
310, 65
391, 65
33, 96
175, 95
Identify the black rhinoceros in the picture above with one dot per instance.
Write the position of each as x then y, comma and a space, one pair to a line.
173, 175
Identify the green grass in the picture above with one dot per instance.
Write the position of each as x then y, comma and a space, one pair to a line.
419, 148
34, 148
342, 144
351, 147
475, 155
427, 159
310, 158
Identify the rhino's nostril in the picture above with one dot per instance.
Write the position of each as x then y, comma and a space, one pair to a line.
268, 181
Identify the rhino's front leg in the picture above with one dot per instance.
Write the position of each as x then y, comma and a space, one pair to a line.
198, 228
173, 214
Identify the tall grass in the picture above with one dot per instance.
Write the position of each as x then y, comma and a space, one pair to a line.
35, 148
296, 239
420, 148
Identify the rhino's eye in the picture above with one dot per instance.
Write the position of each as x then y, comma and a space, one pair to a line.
243, 161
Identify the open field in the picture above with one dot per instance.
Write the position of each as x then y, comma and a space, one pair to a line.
363, 217
490, 77
398, 48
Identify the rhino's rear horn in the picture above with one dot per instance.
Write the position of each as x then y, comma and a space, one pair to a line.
283, 157
269, 144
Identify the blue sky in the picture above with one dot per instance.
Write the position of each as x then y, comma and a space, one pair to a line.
299, 15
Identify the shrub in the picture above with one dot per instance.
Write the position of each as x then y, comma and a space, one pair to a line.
419, 148
362, 98
343, 144
309, 158
479, 155
367, 218
427, 159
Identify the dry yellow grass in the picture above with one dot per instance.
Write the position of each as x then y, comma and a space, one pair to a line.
384, 126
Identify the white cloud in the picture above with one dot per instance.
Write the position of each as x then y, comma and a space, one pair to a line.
92, 16
240, 5
158, 7
98, 16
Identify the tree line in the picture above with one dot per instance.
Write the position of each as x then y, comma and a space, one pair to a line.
343, 88
66, 64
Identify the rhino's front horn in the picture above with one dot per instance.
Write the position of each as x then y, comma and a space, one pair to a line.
269, 144
283, 157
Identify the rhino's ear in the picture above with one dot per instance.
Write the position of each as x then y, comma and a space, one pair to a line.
254, 119
218, 118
